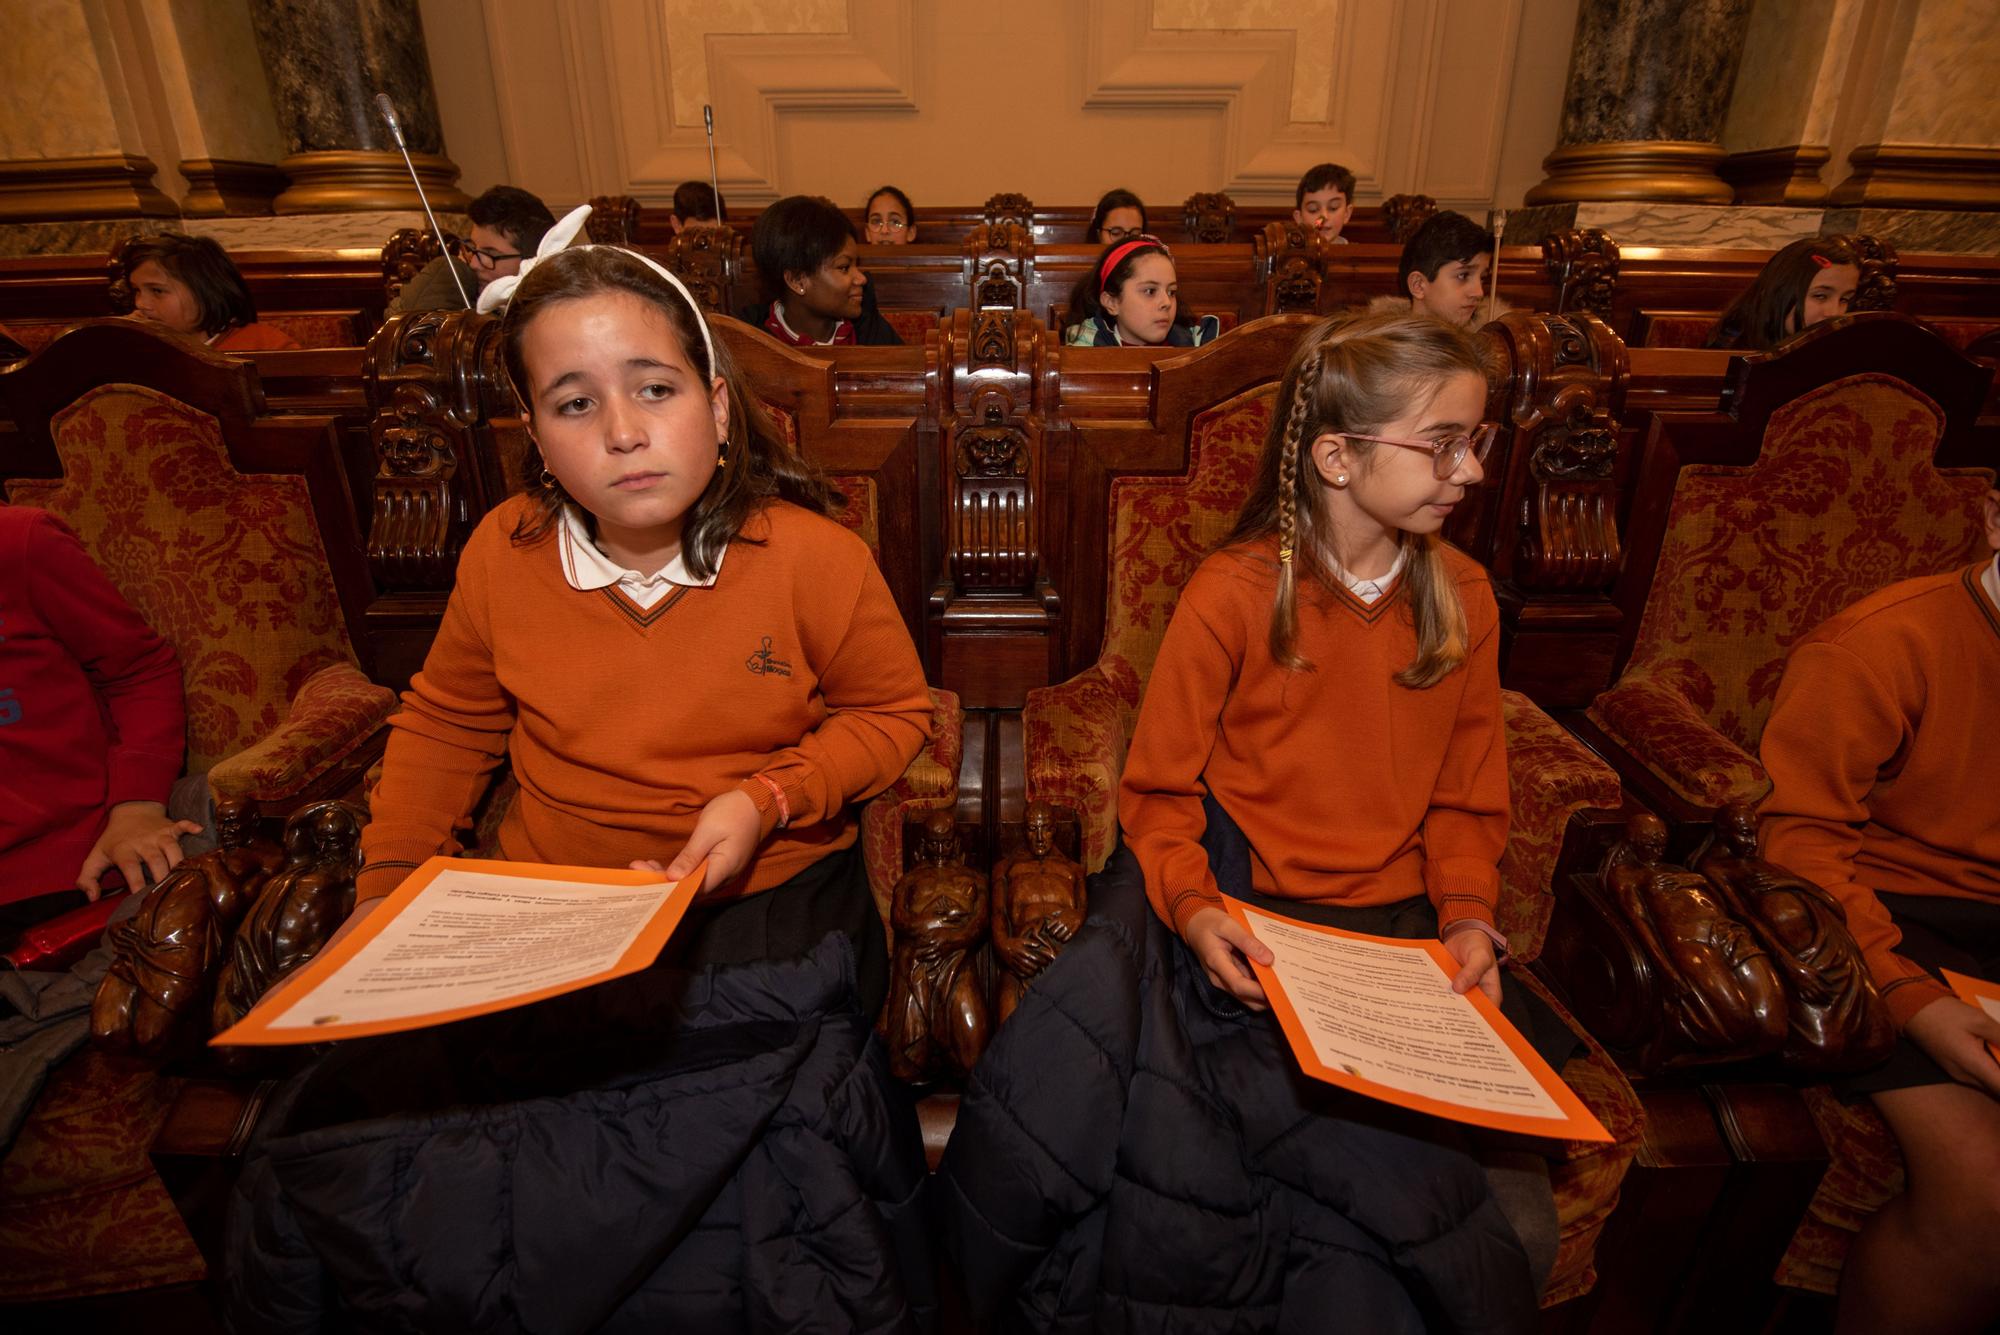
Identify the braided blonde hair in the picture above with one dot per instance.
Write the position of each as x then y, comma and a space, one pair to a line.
1355, 372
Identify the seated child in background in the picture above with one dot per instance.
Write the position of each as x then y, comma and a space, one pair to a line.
1444, 272
1130, 299
92, 728
681, 654
1324, 200
507, 225
1810, 280
696, 202
1883, 764
1119, 216
891, 218
190, 285
811, 270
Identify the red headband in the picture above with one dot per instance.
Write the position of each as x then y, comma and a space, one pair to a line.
1111, 260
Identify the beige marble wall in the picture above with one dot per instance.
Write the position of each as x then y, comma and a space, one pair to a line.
1947, 92
55, 100
1060, 99
1795, 61
211, 81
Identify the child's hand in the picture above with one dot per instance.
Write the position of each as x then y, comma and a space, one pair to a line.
1955, 1036
138, 838
1476, 965
1220, 943
727, 834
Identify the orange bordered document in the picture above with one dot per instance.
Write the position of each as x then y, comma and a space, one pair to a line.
1376, 1015
1979, 994
464, 937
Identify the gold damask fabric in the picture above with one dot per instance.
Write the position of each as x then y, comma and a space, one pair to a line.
1842, 500
227, 567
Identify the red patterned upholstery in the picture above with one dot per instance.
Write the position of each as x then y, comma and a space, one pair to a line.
1076, 735
81, 1210
318, 329
227, 566
912, 326
1677, 329
929, 784
1842, 500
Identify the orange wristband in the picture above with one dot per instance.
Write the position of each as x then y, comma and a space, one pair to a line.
778, 795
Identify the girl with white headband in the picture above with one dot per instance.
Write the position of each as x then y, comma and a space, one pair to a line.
682, 655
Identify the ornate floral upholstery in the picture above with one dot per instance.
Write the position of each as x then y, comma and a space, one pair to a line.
929, 784
318, 329
912, 326
229, 568
81, 1210
1076, 735
1864, 1170
1675, 329
1842, 500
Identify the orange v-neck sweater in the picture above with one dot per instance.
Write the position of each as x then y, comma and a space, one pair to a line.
1351, 788
1884, 770
622, 724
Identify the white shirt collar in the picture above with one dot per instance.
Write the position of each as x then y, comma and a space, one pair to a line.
587, 568
1369, 590
1989, 580
778, 314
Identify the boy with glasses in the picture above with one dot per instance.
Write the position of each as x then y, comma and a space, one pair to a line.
507, 225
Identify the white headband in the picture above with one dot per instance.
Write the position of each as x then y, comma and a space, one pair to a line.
500, 291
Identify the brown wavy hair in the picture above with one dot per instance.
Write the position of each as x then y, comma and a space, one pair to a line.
759, 466
1773, 308
1355, 372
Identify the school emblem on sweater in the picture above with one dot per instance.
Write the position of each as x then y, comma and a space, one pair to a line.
764, 663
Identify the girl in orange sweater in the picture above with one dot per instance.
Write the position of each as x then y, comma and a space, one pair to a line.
1328, 692
681, 655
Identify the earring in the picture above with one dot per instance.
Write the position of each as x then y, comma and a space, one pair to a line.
548, 478
1340, 479
722, 454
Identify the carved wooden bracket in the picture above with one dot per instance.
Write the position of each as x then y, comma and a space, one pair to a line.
1291, 263
437, 381
993, 547
613, 221
404, 256
1404, 214
1877, 289
709, 259
1583, 266
1009, 207
996, 260
1209, 217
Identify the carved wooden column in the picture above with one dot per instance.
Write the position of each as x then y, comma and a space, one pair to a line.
1548, 529
992, 619
1209, 218
326, 60
1290, 259
1583, 267
1649, 86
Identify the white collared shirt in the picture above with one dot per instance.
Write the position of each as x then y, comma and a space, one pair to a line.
1990, 581
778, 314
1370, 590
587, 568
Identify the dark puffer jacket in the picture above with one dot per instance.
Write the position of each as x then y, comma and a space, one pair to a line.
1137, 1153
717, 1153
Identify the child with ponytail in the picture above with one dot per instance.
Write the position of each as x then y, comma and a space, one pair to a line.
1321, 733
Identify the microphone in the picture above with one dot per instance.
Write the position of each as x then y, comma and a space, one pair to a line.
708, 124
388, 110
1493, 288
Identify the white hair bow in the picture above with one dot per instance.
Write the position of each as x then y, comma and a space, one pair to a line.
496, 294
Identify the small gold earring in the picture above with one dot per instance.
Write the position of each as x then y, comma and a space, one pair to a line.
548, 478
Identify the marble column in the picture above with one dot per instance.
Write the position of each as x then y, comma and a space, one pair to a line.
326, 60
1649, 85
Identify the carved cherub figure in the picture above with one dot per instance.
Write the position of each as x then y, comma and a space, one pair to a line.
937, 1002
1038, 904
299, 909
165, 957
1722, 989
1837, 1019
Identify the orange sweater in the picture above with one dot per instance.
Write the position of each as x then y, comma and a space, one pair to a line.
1351, 788
1883, 764
621, 724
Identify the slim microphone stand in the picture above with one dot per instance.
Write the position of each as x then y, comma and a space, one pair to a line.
388, 110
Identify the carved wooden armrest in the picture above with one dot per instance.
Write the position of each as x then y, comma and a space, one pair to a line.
336, 725
1075, 739
930, 783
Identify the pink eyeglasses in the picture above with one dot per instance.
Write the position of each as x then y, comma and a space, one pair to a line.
1447, 454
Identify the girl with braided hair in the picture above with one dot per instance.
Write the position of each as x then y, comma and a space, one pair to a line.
1321, 733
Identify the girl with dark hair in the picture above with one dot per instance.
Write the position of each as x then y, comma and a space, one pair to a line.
189, 284
1131, 298
1120, 216
684, 657
815, 292
1810, 280
890, 219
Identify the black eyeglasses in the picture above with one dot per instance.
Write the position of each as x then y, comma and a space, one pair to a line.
483, 258
1114, 234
